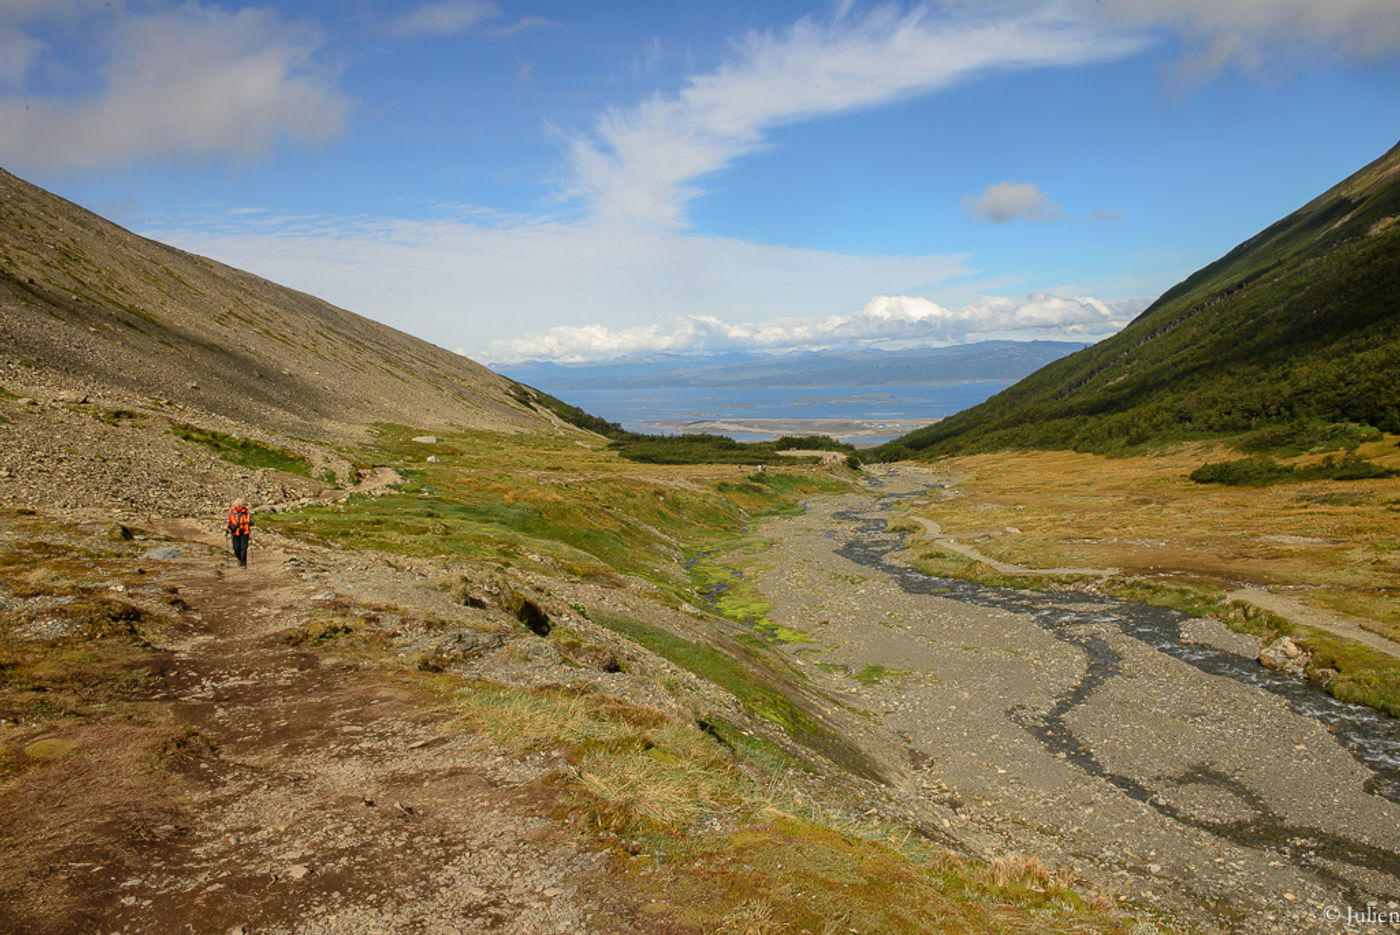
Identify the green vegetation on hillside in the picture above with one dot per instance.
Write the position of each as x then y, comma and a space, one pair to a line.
245, 451
1299, 324
690, 448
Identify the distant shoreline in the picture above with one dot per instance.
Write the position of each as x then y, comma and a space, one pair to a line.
859, 432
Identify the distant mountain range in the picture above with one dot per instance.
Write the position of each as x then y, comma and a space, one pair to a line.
987, 360
1298, 325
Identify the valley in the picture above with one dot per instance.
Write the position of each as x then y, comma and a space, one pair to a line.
499, 665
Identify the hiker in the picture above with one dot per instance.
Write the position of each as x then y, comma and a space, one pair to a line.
238, 527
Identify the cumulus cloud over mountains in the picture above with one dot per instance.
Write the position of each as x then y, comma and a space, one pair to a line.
884, 321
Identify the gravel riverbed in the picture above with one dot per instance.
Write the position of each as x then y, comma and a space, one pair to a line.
1050, 731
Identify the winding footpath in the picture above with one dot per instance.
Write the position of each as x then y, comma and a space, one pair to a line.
1147, 751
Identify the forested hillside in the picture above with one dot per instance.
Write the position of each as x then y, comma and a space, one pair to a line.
1295, 329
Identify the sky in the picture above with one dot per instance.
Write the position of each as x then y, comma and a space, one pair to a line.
530, 179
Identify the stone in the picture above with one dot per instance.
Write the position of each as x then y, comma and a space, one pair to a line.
589, 657
433, 459
165, 553
441, 652
426, 439
1284, 655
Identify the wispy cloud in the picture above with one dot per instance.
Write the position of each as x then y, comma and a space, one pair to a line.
643, 165
884, 321
1252, 33
447, 18
1008, 201
190, 81
524, 24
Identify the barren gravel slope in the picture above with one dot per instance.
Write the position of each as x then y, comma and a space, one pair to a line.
88, 305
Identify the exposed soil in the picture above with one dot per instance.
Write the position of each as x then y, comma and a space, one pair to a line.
1056, 733
305, 794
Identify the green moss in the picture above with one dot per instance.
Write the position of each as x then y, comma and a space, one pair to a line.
874, 675
752, 688
244, 451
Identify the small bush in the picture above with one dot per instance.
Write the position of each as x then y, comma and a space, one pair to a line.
1258, 471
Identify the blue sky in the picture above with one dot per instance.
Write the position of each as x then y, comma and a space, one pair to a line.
517, 179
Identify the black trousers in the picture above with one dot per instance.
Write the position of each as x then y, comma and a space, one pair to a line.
240, 548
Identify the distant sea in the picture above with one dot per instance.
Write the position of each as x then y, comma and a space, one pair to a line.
662, 410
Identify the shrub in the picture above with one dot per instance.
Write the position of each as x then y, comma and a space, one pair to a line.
1258, 471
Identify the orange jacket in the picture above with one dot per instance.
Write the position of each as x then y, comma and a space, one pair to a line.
239, 523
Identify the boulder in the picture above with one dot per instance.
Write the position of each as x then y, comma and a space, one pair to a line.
1284, 655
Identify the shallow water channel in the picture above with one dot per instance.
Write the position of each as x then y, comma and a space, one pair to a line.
1370, 736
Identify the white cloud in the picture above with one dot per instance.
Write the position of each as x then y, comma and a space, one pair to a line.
447, 18
192, 81
884, 321
640, 165
1006, 201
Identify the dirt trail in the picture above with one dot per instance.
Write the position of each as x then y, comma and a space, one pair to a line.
1042, 725
937, 537
327, 800
1297, 612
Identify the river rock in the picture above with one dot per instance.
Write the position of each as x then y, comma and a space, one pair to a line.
1284, 655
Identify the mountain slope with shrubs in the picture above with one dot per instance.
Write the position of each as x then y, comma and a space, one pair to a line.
1294, 331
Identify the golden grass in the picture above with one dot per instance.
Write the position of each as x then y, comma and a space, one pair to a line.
1335, 541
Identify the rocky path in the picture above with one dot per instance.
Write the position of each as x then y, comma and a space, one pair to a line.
329, 800
1042, 726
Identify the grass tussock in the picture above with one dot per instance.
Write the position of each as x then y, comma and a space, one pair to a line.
698, 828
